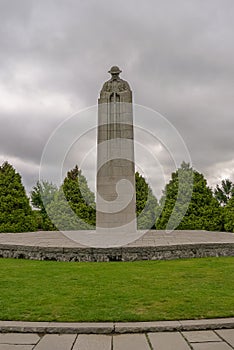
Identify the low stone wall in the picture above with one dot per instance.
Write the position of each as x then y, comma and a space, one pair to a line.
117, 254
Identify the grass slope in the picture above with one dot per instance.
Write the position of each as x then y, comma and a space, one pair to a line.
131, 291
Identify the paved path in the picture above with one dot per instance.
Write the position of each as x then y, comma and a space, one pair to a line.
150, 238
216, 334
197, 340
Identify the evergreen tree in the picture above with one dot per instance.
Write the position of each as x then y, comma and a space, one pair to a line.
203, 211
63, 216
229, 215
224, 192
146, 204
42, 195
73, 207
15, 212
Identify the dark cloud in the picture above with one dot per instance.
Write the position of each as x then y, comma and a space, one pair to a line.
177, 56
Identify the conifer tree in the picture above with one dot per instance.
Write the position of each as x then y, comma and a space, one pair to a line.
203, 212
224, 192
15, 212
229, 215
73, 207
42, 195
146, 204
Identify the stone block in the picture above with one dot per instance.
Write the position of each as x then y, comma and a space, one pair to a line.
56, 342
18, 338
16, 347
93, 342
168, 341
227, 335
130, 342
201, 336
211, 346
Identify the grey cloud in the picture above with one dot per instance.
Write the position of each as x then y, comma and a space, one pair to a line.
177, 57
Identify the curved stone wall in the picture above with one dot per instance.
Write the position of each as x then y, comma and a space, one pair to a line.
126, 253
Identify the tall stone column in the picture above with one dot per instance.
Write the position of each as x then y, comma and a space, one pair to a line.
116, 197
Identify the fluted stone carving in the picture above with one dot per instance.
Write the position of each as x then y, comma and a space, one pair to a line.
116, 199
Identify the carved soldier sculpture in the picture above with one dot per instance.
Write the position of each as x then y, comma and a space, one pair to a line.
116, 198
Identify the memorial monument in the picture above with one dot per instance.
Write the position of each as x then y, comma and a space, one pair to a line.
116, 196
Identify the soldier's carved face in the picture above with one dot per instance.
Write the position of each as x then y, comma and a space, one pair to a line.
115, 76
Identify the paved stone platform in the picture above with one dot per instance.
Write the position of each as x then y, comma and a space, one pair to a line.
153, 245
194, 337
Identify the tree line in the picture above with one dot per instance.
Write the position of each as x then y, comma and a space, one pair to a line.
72, 205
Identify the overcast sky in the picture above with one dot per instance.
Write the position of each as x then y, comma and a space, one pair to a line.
177, 55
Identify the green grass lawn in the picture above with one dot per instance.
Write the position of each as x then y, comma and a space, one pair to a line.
131, 291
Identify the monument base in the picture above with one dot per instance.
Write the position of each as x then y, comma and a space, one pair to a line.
153, 245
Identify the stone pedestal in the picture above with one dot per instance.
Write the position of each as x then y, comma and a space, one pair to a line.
116, 198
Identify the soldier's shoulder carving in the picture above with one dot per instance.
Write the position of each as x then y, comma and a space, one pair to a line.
119, 85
